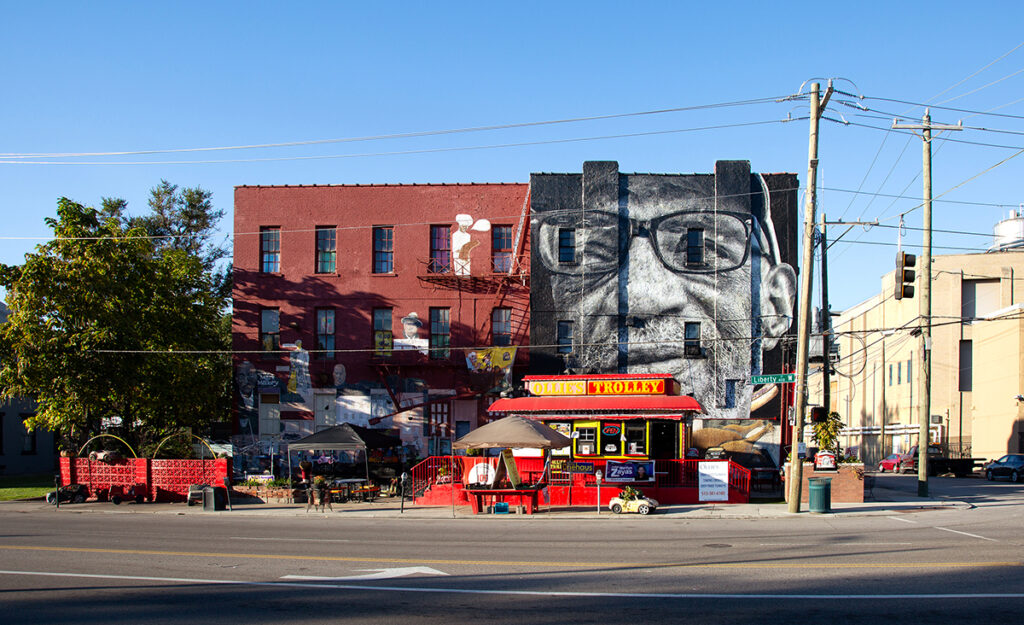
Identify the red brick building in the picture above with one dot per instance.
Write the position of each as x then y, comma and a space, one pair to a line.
351, 300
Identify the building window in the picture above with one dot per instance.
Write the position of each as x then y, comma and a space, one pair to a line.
586, 442
325, 334
890, 375
636, 435
909, 381
440, 249
501, 327
326, 249
440, 333
383, 249
501, 249
899, 373
566, 245
694, 246
270, 331
564, 337
730, 394
966, 366
437, 420
691, 338
270, 250
28, 441
382, 336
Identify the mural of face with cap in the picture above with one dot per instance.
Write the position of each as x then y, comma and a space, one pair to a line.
463, 243
675, 274
411, 325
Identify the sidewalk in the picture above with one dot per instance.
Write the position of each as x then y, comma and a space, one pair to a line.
885, 502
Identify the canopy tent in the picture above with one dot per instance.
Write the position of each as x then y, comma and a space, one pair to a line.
344, 437
513, 431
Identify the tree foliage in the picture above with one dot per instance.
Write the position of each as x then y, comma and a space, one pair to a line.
826, 433
108, 324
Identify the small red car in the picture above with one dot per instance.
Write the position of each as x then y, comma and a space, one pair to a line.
889, 463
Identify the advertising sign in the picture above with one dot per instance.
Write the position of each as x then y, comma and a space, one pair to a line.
713, 481
629, 471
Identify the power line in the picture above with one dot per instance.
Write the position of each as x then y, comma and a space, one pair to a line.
406, 135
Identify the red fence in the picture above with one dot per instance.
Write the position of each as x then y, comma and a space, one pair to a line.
675, 481
157, 479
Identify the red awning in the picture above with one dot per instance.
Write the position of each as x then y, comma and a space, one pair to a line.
619, 403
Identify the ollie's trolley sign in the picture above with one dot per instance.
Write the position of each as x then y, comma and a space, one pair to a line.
619, 385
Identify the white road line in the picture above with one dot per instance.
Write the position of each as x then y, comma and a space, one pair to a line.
531, 593
843, 545
896, 518
312, 540
946, 529
818, 544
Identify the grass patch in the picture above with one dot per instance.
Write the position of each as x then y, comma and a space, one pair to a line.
25, 486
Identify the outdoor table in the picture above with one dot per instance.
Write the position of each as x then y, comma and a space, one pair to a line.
343, 490
522, 497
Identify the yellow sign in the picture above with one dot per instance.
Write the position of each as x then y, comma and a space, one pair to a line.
652, 386
558, 387
489, 358
626, 387
382, 343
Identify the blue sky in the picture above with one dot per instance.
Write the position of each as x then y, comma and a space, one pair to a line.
129, 76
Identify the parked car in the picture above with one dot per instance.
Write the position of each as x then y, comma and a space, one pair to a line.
1009, 466
889, 463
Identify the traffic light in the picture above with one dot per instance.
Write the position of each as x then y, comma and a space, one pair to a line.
905, 275
818, 414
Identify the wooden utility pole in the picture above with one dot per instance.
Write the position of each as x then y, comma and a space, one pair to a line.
795, 475
925, 315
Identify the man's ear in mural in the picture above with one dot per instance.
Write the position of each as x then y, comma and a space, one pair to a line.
778, 296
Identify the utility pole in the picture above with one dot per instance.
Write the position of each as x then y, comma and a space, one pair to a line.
826, 325
795, 476
925, 407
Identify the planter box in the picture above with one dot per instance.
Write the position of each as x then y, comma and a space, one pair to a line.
847, 482
263, 494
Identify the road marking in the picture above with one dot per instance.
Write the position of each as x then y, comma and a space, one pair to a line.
896, 518
527, 593
764, 564
946, 529
842, 545
378, 574
312, 540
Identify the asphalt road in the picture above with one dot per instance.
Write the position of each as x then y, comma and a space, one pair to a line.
927, 566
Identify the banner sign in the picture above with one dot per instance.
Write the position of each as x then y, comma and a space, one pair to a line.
713, 481
629, 471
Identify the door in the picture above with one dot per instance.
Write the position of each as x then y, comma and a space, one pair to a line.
664, 440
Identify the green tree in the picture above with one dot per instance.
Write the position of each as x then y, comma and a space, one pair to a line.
107, 323
826, 433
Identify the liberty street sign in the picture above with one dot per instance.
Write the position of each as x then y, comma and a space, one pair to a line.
775, 378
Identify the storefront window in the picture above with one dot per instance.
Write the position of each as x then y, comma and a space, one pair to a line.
636, 438
586, 444
611, 439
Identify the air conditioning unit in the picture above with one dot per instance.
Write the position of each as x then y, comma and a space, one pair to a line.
936, 419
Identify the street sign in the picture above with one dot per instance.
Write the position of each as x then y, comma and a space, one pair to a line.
774, 378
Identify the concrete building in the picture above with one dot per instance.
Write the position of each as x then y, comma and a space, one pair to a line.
396, 307
977, 378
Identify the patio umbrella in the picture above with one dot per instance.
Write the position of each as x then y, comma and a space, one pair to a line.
513, 431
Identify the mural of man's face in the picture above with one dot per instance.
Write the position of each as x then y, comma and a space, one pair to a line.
667, 270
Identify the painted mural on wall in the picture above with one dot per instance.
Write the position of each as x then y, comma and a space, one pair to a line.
646, 273
750, 442
463, 242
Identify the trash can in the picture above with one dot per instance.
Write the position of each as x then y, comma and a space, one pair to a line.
820, 494
214, 498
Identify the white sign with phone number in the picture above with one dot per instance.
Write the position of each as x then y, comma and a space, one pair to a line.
713, 481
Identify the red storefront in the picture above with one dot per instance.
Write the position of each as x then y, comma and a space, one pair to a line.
631, 429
